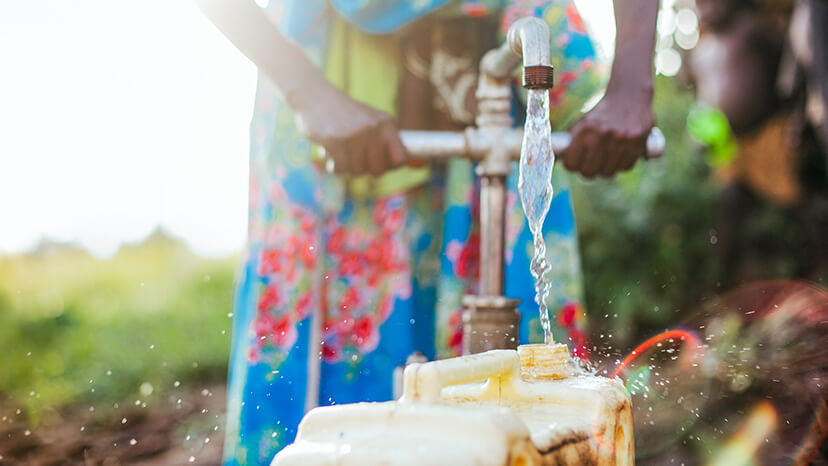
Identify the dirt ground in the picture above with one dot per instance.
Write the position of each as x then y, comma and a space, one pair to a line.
186, 427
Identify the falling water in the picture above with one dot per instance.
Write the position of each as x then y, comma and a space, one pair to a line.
535, 188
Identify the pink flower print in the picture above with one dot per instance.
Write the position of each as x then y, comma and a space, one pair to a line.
557, 93
381, 255
580, 348
303, 305
276, 192
269, 262
566, 316
351, 265
270, 298
388, 214
336, 241
453, 250
467, 263
350, 300
276, 234
307, 222
307, 252
384, 309
393, 221
455, 337
575, 21
330, 352
344, 325
263, 324
569, 316
366, 335
376, 252
562, 39
283, 333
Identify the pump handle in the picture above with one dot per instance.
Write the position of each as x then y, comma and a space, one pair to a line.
475, 143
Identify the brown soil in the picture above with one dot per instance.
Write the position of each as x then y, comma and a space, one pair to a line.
183, 428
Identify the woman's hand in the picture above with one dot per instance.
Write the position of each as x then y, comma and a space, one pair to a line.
357, 137
610, 138
613, 135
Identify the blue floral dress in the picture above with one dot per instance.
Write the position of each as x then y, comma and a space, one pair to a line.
337, 290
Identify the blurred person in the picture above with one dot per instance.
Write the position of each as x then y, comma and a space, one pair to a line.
734, 68
803, 78
347, 274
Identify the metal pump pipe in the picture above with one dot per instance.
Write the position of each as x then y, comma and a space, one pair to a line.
527, 39
490, 319
474, 144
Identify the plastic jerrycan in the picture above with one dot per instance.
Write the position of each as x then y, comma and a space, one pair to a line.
501, 407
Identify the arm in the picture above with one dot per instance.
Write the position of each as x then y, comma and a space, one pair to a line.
359, 138
613, 135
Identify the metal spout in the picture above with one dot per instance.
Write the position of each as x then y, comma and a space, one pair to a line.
527, 39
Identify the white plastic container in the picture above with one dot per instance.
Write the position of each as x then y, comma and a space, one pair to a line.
502, 407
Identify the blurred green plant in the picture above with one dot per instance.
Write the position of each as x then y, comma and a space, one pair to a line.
74, 329
646, 235
709, 126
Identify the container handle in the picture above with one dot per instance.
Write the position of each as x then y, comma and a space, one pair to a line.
424, 382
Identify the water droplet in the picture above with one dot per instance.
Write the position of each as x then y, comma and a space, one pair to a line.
176, 383
146, 389
124, 421
27, 433
207, 440
191, 459
133, 442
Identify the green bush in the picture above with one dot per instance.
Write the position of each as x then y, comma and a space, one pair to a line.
645, 236
74, 329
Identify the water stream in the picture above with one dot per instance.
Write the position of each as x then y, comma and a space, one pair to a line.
535, 188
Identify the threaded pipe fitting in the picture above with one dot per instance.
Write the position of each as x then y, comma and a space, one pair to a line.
538, 77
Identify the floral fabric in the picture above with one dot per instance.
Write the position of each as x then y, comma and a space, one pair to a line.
336, 292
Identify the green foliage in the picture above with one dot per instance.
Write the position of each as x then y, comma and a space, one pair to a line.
76, 329
645, 236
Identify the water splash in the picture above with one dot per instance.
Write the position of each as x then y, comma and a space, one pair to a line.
712, 386
535, 188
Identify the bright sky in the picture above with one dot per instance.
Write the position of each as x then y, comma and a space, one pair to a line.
117, 117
